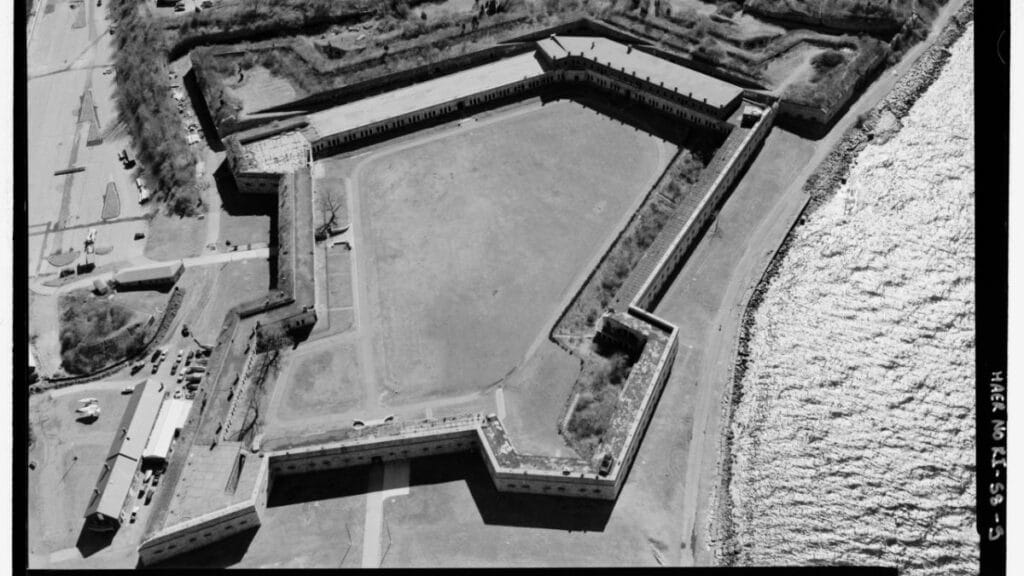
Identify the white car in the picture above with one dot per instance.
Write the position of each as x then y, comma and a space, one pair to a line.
88, 401
91, 238
90, 411
143, 191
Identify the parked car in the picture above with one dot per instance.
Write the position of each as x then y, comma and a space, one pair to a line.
606, 465
155, 368
149, 496
143, 191
128, 389
138, 366
140, 235
135, 514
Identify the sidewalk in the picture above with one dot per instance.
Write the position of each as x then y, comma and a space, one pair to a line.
38, 287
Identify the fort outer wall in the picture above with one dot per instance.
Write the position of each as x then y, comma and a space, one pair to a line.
655, 281
209, 528
572, 69
569, 477
574, 479
510, 471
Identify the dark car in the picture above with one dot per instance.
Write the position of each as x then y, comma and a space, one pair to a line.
606, 465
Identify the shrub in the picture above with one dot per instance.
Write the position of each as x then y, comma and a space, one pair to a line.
827, 60
601, 382
728, 9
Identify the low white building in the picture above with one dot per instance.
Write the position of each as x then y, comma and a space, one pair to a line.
170, 420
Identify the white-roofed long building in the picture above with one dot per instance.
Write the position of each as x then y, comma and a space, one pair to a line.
171, 419
117, 477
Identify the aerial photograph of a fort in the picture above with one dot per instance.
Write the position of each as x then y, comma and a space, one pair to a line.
490, 283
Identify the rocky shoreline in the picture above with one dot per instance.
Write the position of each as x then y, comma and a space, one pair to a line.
879, 123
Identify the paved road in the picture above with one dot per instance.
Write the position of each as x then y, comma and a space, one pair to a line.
386, 481
204, 260
64, 62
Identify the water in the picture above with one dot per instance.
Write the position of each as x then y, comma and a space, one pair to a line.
854, 439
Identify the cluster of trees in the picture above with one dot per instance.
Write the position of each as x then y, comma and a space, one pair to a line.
259, 16
145, 105
95, 332
600, 383
210, 72
893, 12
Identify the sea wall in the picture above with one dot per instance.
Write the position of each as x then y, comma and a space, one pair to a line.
829, 177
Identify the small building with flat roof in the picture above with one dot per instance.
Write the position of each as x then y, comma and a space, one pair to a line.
258, 160
106, 507
157, 277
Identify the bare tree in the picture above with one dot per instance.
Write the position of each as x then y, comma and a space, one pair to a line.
331, 202
257, 392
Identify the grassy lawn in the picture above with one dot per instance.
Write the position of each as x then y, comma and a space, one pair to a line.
98, 331
536, 398
68, 456
312, 521
322, 382
238, 230
339, 277
454, 517
174, 237
235, 282
495, 224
